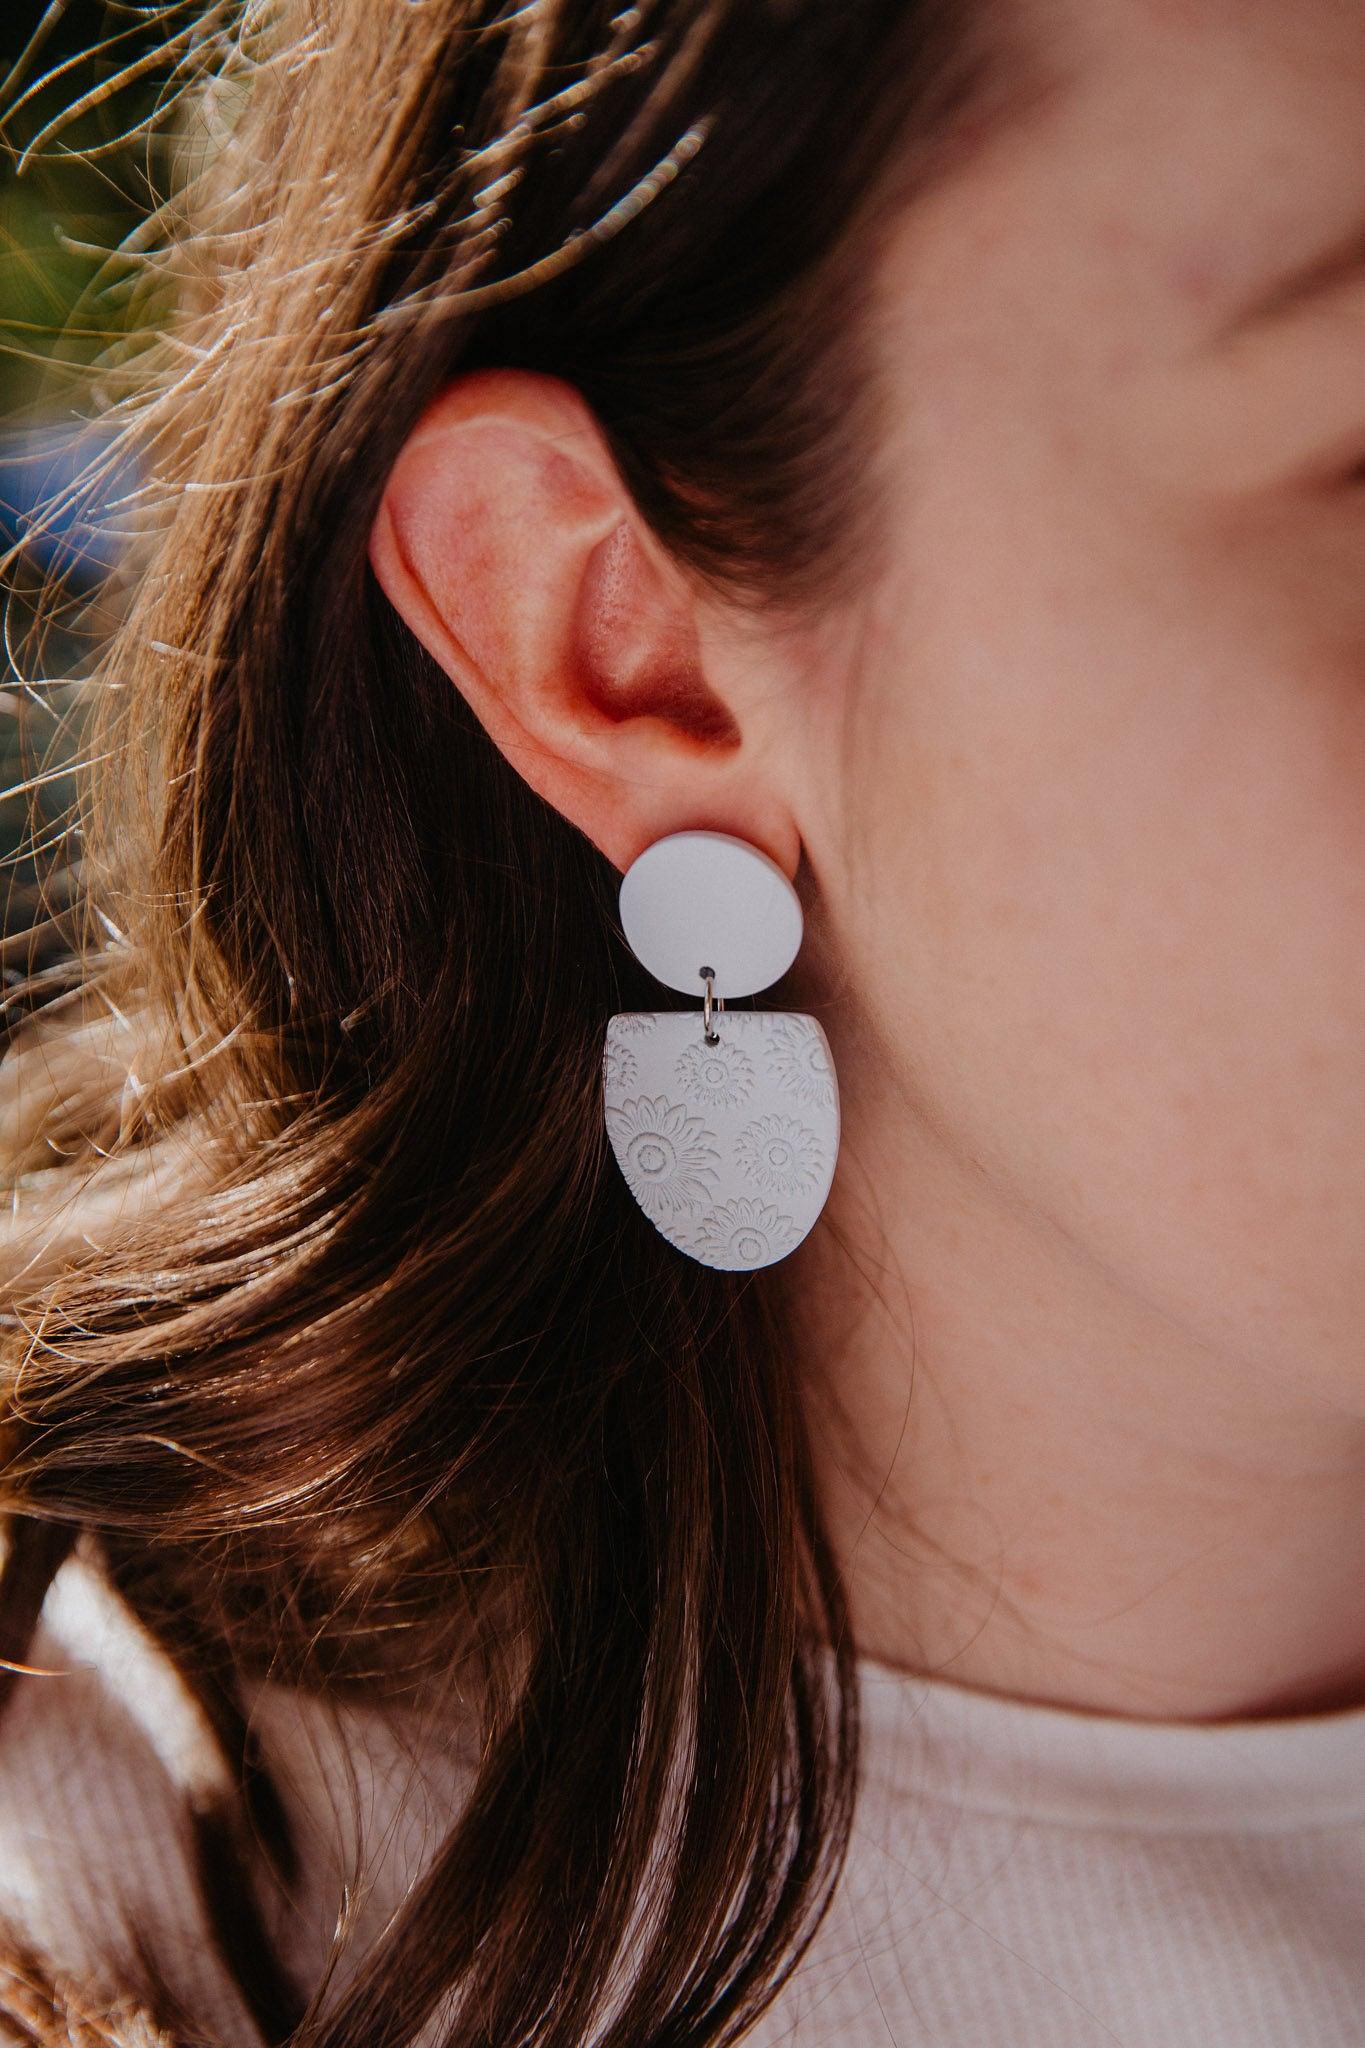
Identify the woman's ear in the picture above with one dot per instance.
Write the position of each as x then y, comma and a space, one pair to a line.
510, 545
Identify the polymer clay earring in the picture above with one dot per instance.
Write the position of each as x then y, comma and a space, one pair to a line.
725, 1123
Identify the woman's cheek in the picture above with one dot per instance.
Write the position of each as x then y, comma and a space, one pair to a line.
1113, 890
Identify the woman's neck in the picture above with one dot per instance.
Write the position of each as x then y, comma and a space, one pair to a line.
1041, 1484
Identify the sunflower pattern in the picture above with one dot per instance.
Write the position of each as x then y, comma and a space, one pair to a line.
799, 1061
728, 1148
620, 1066
721, 1076
744, 1233
668, 1157
779, 1155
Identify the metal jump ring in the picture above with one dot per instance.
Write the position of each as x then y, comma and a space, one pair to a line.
712, 1003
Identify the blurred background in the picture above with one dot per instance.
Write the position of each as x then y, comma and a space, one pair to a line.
84, 138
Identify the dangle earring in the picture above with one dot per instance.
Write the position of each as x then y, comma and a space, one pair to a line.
725, 1123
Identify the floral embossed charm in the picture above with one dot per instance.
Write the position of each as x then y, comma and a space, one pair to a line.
728, 1148
725, 1123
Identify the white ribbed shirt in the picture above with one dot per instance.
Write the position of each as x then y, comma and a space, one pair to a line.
1020, 1876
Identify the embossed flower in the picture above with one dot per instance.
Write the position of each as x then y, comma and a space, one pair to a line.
634, 1024
796, 1056
720, 1075
744, 1233
666, 1155
619, 1065
780, 1155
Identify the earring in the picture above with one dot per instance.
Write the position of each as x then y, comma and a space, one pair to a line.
725, 1123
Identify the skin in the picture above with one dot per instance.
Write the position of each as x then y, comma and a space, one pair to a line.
1074, 795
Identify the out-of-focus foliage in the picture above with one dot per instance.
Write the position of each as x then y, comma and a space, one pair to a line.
82, 163
82, 158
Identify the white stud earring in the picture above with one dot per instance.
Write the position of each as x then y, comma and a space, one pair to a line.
725, 1123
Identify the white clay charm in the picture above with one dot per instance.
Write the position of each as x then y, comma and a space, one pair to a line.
725, 1123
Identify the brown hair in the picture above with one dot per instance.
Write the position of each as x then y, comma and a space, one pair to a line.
401, 1381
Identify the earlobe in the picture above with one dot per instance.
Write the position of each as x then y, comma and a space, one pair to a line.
510, 545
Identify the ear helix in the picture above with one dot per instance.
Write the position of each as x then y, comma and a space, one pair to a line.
725, 1123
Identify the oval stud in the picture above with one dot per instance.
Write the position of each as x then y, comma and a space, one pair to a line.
704, 903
